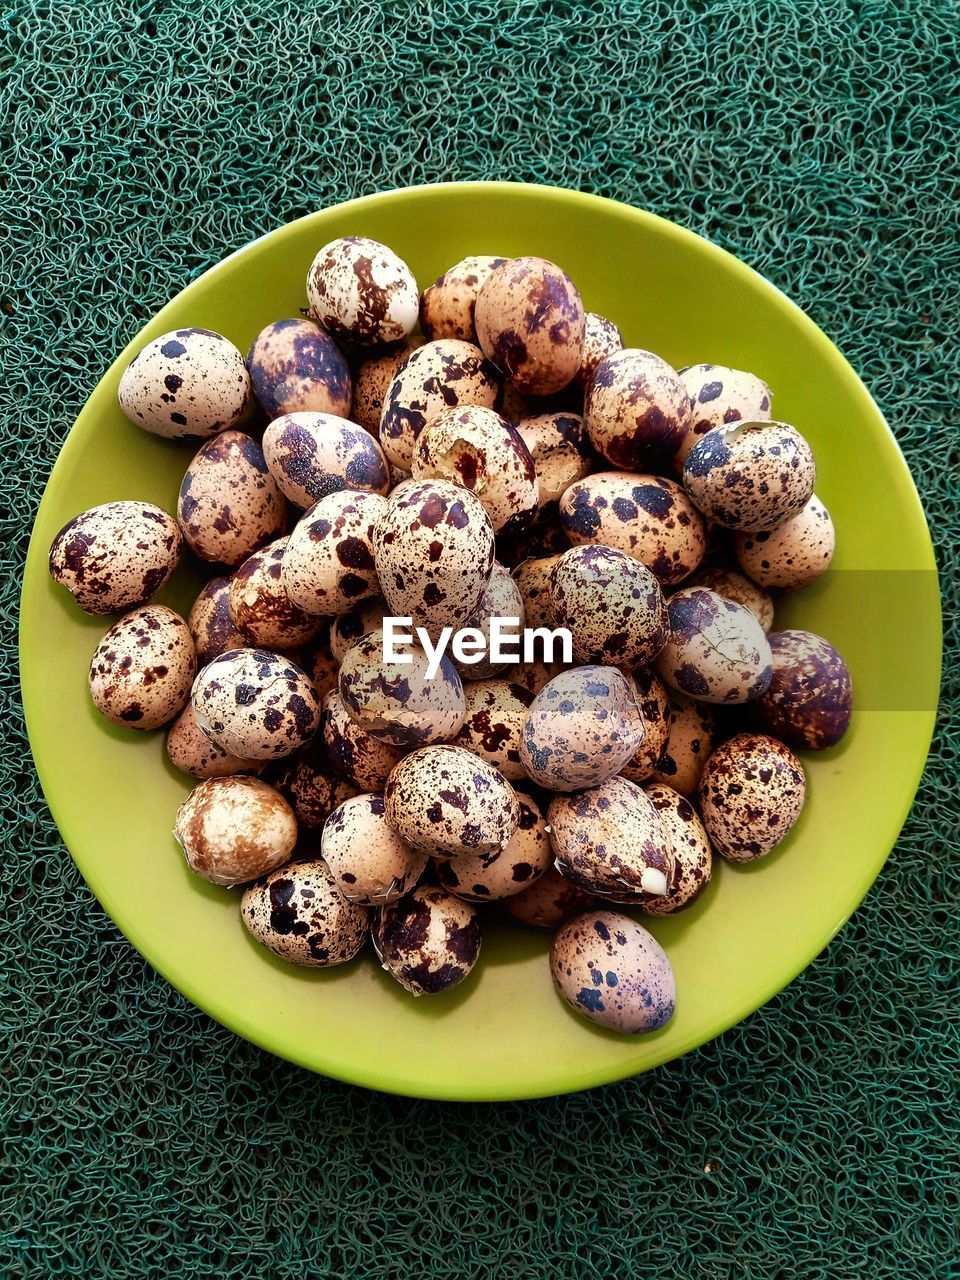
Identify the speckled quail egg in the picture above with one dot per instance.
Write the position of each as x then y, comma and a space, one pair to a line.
372, 380
716, 649
601, 338
721, 396
561, 454
299, 914
689, 742
296, 367
365, 760
530, 321
229, 503
809, 702
488, 877
367, 859
321, 666
260, 607
358, 289
328, 561
433, 551
737, 587
549, 901
396, 701
751, 476
751, 794
534, 579
582, 727
210, 623
192, 752
255, 705
447, 306
142, 669
793, 556
654, 702
446, 801
188, 384
496, 712
609, 840
234, 829
349, 628
648, 517
313, 454
613, 972
428, 941
115, 556
692, 855
441, 375
501, 599
308, 782
535, 674
476, 448
636, 409
611, 604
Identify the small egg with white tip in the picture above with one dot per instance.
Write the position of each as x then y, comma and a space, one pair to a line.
233, 830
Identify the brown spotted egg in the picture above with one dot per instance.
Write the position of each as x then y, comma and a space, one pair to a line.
648, 517
233, 830
299, 914
549, 901
188, 384
192, 752
313, 454
210, 623
534, 579
428, 941
349, 628
721, 396
751, 794
260, 607
308, 782
397, 701
359, 290
751, 476
501, 599
716, 650
692, 855
442, 375
809, 702
737, 587
611, 604
613, 972
142, 669
229, 504
530, 321
496, 711
690, 737
367, 761
489, 877
255, 704
793, 556
433, 551
445, 801
476, 448
601, 338
561, 454
115, 556
654, 702
328, 562
321, 666
447, 306
636, 410
372, 380
296, 367
609, 840
582, 727
367, 859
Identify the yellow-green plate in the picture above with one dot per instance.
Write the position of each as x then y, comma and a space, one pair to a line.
504, 1033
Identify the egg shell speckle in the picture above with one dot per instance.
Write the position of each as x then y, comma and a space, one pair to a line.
737, 587
295, 367
751, 793
192, 752
501, 599
260, 607
308, 781
367, 859
229, 504
720, 397
489, 877
347, 629
751, 476
447, 306
364, 759
793, 556
328, 563
534, 579
495, 714
321, 666
549, 901
187, 384
613, 972
428, 941
372, 380
601, 338
360, 290
611, 604
809, 702
716, 651
692, 855
255, 704
210, 623
142, 669
654, 701
299, 914
311, 455
690, 736
115, 556
561, 454
636, 409
233, 830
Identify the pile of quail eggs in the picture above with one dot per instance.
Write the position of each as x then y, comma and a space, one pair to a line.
484, 449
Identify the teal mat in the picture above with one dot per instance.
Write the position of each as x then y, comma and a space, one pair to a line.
144, 141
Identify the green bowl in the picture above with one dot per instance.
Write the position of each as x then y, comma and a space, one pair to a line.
504, 1033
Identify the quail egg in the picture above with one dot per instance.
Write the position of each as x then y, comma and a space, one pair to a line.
654, 701
365, 760
115, 556
428, 941
737, 587
321, 666
496, 712
488, 877
192, 752
328, 561
188, 384
751, 476
560, 451
260, 607
308, 782
313, 454
141, 671
255, 704
359, 290
501, 599
601, 338
534, 579
690, 736
234, 829
372, 380
793, 556
296, 367
751, 794
229, 504
721, 396
367, 859
636, 409
809, 701
210, 623
716, 649
692, 856
549, 901
611, 604
349, 628
447, 306
299, 914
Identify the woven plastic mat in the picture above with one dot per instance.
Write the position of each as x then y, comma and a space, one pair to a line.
143, 142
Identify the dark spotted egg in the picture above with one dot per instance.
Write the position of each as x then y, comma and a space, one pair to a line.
349, 628
613, 972
328, 564
234, 829
115, 556
534, 579
192, 752
353, 752
313, 454
210, 623
809, 702
447, 306
188, 384
501, 599
601, 338
737, 587
489, 877
549, 901
561, 454
445, 801
260, 607
716, 650
359, 290
311, 785
721, 396
496, 712
611, 604
229, 503
255, 704
321, 666
142, 669
793, 556
751, 794
299, 914
636, 410
296, 367
690, 736
372, 380
366, 857
751, 476
428, 941
654, 701
693, 857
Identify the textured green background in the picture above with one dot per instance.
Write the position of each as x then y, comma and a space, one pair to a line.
144, 142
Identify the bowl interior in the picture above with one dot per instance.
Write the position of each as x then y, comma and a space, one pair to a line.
504, 1033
